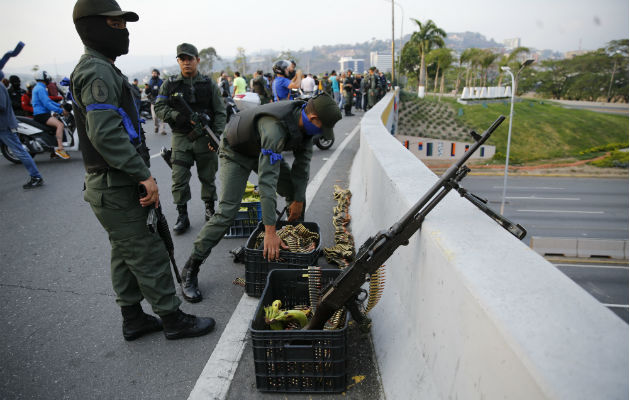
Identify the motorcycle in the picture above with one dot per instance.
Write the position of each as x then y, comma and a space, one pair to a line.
37, 138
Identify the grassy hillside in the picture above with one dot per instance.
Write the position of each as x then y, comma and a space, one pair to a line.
540, 130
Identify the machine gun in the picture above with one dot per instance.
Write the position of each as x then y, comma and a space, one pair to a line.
204, 120
156, 222
344, 290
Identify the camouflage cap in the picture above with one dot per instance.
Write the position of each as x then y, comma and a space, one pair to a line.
328, 112
107, 8
188, 49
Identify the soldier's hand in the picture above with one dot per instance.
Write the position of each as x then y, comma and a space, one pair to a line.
295, 210
272, 243
152, 196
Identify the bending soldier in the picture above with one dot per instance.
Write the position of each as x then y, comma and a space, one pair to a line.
254, 142
116, 161
190, 145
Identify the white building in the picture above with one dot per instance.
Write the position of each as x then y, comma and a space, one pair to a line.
511, 44
382, 61
357, 65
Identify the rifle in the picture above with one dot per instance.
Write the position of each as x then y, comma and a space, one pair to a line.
345, 289
156, 222
204, 120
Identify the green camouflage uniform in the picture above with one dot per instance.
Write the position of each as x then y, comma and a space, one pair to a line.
187, 152
139, 261
260, 87
372, 89
289, 182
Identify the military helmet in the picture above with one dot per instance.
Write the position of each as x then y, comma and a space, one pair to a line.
280, 67
106, 8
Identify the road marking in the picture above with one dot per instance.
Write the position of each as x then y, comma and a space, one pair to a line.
530, 187
592, 266
216, 377
156, 155
544, 198
615, 305
562, 211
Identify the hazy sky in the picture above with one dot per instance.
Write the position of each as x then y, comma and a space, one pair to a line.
47, 29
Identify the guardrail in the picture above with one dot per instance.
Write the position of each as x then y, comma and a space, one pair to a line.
468, 310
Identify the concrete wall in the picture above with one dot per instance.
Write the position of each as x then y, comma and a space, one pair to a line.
437, 149
469, 311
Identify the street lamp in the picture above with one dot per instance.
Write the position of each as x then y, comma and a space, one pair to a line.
507, 152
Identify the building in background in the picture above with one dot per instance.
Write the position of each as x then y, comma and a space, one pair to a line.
355, 64
382, 61
511, 44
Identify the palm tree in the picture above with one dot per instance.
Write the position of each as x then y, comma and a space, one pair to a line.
443, 59
469, 56
427, 37
486, 59
512, 60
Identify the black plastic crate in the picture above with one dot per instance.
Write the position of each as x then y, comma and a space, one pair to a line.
257, 267
246, 221
303, 361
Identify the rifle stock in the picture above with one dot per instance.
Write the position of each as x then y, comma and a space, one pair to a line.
378, 248
205, 121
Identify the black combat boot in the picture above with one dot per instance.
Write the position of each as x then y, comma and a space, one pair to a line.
136, 323
182, 223
179, 325
190, 285
209, 209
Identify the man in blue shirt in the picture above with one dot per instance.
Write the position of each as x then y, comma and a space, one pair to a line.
335, 87
43, 106
284, 82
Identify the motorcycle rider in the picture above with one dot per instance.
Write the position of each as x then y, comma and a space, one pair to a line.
16, 92
152, 89
117, 161
286, 79
43, 106
189, 144
27, 107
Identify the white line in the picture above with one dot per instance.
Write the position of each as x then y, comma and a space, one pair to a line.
216, 377
544, 198
318, 179
155, 155
599, 266
562, 211
530, 187
615, 305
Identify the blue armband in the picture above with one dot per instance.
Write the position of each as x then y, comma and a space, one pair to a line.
161, 96
273, 157
134, 138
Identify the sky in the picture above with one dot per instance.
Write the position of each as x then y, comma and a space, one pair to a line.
561, 25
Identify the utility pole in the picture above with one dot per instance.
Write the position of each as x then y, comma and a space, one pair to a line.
393, 73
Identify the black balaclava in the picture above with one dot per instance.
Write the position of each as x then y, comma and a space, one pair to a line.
97, 35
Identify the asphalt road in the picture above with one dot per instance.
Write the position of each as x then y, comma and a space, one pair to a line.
61, 327
559, 207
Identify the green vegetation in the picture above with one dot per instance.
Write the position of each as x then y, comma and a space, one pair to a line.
616, 159
540, 131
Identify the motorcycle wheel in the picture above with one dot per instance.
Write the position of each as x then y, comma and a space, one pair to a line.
324, 144
8, 154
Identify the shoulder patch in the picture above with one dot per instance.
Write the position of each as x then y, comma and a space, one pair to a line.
99, 90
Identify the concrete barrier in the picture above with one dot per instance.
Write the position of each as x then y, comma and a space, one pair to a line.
601, 248
468, 310
553, 246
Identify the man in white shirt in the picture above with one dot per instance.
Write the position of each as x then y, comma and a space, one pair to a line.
308, 84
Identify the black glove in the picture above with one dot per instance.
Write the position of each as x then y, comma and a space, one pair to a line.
196, 132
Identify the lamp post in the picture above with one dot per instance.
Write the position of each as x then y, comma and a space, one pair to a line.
507, 152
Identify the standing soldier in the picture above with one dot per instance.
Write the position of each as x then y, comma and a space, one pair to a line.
371, 87
117, 161
256, 142
189, 143
348, 93
261, 87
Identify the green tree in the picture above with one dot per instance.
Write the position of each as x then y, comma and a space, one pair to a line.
427, 37
442, 57
486, 60
207, 58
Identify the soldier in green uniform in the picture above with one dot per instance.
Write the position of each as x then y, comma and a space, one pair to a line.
372, 87
190, 145
261, 87
254, 141
348, 93
116, 161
